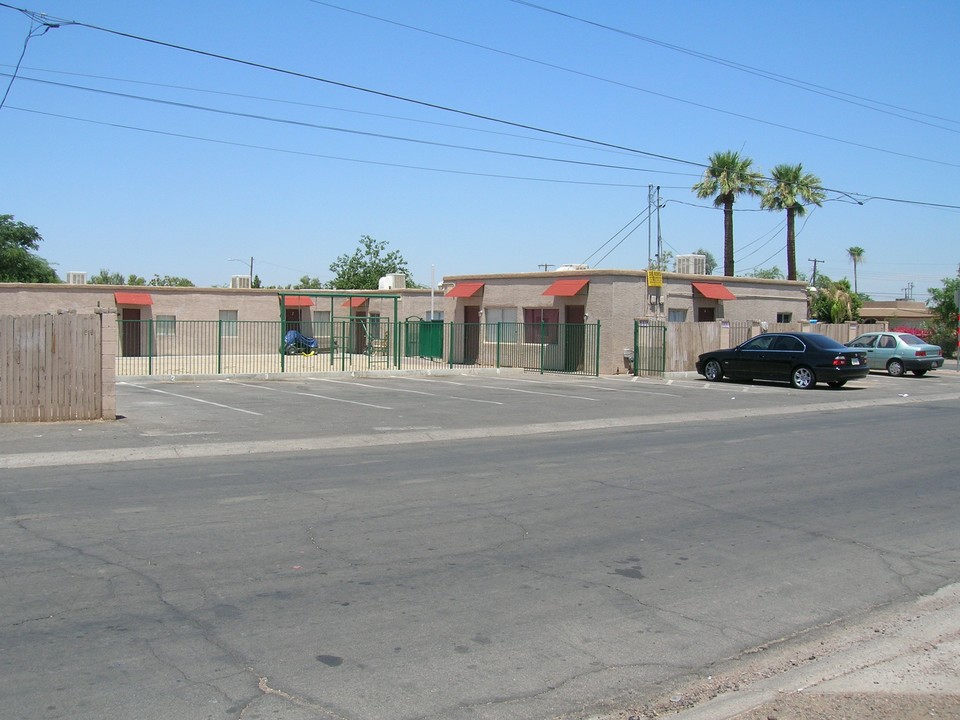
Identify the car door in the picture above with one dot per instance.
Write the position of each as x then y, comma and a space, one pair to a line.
749, 360
868, 343
885, 348
785, 354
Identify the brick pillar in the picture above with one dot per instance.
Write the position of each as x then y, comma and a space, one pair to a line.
109, 346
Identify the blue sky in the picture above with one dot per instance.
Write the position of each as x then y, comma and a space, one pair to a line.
180, 160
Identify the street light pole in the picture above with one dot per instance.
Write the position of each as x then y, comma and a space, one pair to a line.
243, 261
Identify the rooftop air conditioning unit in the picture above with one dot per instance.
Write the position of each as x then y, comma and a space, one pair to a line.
76, 278
576, 266
394, 281
240, 281
691, 264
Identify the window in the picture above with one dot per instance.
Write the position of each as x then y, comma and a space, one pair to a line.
540, 325
434, 316
166, 324
788, 343
676, 315
228, 323
508, 330
784, 317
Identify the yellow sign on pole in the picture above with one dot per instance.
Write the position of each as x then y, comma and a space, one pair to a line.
654, 278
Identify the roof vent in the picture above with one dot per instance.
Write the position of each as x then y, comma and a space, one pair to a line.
393, 281
691, 264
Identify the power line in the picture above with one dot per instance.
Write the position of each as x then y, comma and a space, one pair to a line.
839, 95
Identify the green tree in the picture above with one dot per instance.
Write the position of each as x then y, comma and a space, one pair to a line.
711, 260
855, 254
943, 325
791, 190
773, 273
105, 277
834, 301
169, 281
728, 176
662, 261
369, 263
17, 263
256, 282
308, 283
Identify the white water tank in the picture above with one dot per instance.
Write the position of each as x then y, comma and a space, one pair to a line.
393, 281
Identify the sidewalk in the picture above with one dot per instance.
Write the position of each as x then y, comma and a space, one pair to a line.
898, 663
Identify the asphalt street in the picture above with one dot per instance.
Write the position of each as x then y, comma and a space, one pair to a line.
487, 546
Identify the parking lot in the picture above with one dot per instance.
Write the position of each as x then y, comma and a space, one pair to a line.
214, 416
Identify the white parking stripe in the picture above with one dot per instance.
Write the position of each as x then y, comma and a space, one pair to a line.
417, 392
536, 392
305, 394
187, 397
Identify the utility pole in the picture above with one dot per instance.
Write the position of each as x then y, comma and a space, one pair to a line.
649, 228
545, 266
815, 261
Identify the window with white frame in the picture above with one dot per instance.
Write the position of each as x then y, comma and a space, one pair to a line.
784, 317
677, 315
500, 322
228, 323
166, 324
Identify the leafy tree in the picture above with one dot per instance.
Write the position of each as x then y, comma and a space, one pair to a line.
943, 325
856, 255
791, 190
17, 262
662, 261
308, 283
834, 301
106, 277
256, 282
169, 281
711, 260
728, 176
369, 263
774, 273
136, 280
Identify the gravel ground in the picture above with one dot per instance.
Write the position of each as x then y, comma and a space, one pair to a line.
897, 663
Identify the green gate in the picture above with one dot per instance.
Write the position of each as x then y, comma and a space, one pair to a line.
649, 347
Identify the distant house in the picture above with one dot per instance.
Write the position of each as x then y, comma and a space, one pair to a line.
898, 313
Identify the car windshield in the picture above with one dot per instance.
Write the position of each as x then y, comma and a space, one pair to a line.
910, 339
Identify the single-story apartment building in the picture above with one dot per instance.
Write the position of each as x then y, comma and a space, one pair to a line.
610, 300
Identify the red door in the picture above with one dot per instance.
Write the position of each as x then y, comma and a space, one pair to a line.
471, 334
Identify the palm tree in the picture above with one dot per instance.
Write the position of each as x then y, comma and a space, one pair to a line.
791, 190
727, 176
856, 254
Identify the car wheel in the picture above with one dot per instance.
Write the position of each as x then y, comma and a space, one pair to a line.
919, 373
895, 367
290, 350
802, 378
837, 383
712, 371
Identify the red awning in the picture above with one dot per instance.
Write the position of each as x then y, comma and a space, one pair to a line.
355, 302
464, 290
714, 291
133, 298
297, 301
568, 287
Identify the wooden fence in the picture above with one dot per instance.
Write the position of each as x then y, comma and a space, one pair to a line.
52, 368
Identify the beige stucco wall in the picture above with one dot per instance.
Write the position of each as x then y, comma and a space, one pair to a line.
615, 298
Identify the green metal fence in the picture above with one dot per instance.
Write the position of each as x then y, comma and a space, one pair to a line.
649, 347
215, 347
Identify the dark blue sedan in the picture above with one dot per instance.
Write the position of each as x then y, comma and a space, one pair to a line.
802, 359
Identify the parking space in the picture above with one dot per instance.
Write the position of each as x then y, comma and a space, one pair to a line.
256, 415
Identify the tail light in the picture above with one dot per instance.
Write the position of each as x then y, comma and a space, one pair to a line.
839, 361
921, 353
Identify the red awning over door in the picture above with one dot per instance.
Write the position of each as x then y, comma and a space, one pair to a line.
568, 287
355, 302
464, 290
714, 291
132, 298
297, 301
